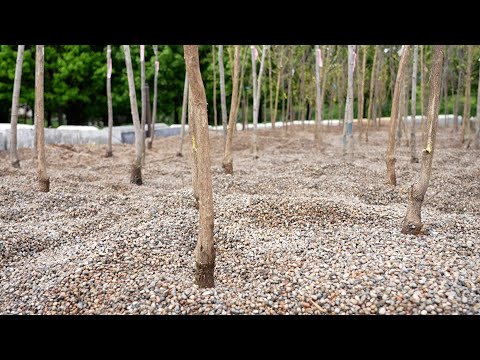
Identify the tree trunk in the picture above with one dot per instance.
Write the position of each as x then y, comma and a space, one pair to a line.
109, 100
270, 86
372, 87
144, 100
422, 90
15, 99
184, 114
222, 91
390, 156
277, 89
215, 122
42, 177
457, 101
477, 133
302, 93
136, 170
155, 94
348, 122
192, 130
257, 82
412, 222
289, 98
361, 91
318, 97
413, 140
227, 157
205, 250
465, 130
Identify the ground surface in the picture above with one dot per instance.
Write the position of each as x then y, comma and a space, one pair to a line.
297, 231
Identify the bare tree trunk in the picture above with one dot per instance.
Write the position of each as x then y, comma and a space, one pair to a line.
302, 93
422, 90
256, 94
465, 130
270, 86
318, 97
155, 95
390, 156
136, 172
15, 99
401, 109
348, 122
42, 176
324, 76
289, 98
192, 131
215, 122
361, 91
222, 90
457, 101
277, 89
227, 157
412, 222
144, 99
109, 100
205, 250
378, 105
184, 114
477, 132
371, 93
413, 141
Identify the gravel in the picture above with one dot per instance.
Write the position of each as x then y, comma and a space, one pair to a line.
298, 231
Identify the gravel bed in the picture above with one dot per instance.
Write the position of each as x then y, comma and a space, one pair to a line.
298, 231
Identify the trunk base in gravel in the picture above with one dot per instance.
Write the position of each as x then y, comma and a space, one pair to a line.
109, 154
228, 167
204, 275
412, 224
149, 145
16, 164
44, 185
179, 154
136, 175
392, 178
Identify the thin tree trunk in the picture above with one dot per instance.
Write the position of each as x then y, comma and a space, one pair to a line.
277, 89
371, 93
184, 115
412, 222
377, 99
318, 98
136, 172
361, 91
205, 250
15, 100
257, 82
109, 100
348, 122
477, 133
324, 76
215, 122
289, 99
222, 91
270, 86
144, 99
465, 130
457, 101
155, 95
302, 93
413, 140
227, 157
390, 156
42, 176
192, 131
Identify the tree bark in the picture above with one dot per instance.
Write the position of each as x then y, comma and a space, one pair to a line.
390, 156
318, 99
144, 99
205, 250
155, 94
465, 130
257, 82
270, 85
227, 157
42, 176
109, 100
215, 121
15, 100
184, 115
277, 89
222, 90
477, 133
136, 169
361, 91
348, 122
412, 223
371, 93
422, 90
413, 140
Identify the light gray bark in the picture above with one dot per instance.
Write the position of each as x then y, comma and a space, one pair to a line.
413, 140
155, 94
223, 99
184, 114
348, 123
15, 100
42, 176
144, 100
109, 99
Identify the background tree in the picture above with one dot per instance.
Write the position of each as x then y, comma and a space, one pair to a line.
109, 99
257, 82
15, 98
42, 176
413, 150
155, 96
223, 96
184, 115
348, 123
465, 130
412, 222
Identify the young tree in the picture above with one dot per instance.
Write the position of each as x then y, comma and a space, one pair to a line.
215, 122
227, 156
42, 176
348, 123
277, 88
390, 156
465, 130
361, 90
372, 85
144, 100
413, 145
257, 82
318, 98
16, 94
205, 250
136, 173
184, 115
477, 133
155, 95
109, 100
222, 90
412, 222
